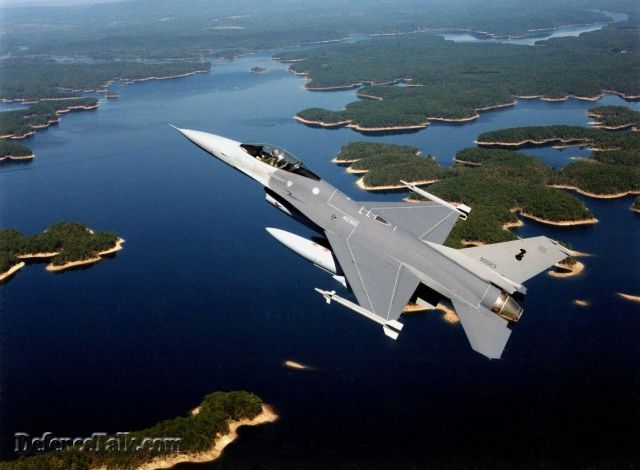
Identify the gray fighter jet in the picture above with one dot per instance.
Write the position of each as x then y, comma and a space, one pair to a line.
391, 253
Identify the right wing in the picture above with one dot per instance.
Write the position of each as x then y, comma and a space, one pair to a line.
381, 285
487, 332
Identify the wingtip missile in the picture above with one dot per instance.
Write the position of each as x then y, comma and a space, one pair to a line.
462, 209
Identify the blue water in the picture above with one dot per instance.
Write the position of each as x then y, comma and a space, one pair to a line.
561, 32
203, 299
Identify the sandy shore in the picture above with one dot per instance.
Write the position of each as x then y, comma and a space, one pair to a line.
359, 128
321, 123
414, 308
510, 225
468, 243
356, 172
563, 223
72, 264
360, 183
464, 162
450, 315
17, 158
12, 270
44, 254
594, 195
295, 365
267, 415
564, 270
529, 142
632, 298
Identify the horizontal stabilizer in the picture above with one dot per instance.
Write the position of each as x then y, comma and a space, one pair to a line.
487, 332
519, 260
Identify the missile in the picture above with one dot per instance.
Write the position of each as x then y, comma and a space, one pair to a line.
391, 328
462, 209
309, 250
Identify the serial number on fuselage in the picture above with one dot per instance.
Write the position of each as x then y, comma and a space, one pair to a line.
489, 263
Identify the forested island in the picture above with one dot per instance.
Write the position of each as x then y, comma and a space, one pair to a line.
500, 185
13, 151
615, 117
455, 81
65, 245
613, 170
202, 435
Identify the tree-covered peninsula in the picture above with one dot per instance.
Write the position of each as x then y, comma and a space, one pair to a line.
195, 437
499, 184
13, 151
64, 244
21, 123
615, 117
612, 171
454, 81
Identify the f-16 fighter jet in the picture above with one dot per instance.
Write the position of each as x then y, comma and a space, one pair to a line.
391, 253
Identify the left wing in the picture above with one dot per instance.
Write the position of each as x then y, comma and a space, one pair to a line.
381, 285
429, 221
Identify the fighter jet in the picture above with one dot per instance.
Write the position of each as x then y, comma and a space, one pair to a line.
391, 253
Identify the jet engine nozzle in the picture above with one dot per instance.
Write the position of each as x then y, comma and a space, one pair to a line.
506, 307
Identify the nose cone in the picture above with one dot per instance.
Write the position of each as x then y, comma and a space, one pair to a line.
211, 143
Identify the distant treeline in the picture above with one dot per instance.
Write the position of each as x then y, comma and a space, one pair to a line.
149, 28
196, 432
70, 240
31, 78
454, 80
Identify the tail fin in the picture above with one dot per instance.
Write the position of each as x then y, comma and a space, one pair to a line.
487, 332
519, 260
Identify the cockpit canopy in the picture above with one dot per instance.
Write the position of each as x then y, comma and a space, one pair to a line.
279, 158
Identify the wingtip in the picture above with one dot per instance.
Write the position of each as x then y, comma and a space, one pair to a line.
176, 128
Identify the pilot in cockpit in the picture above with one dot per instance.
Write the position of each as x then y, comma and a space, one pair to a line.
279, 158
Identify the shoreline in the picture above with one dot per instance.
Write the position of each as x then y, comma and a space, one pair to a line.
562, 223
72, 264
362, 185
520, 143
11, 271
49, 123
17, 158
267, 415
464, 162
566, 270
632, 298
594, 195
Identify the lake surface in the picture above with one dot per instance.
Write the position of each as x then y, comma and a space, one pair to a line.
203, 299
561, 32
